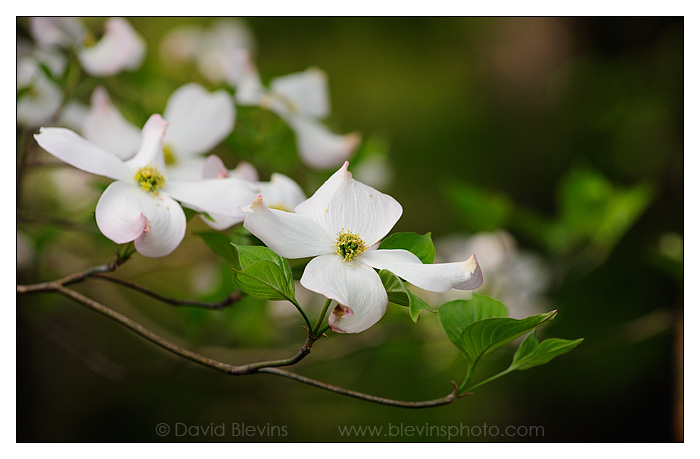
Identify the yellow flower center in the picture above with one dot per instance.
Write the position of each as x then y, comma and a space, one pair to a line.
90, 40
149, 179
349, 245
170, 158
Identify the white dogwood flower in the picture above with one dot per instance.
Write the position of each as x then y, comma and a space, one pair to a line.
341, 225
119, 48
198, 121
141, 206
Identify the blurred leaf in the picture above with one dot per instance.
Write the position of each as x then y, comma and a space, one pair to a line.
457, 315
420, 246
219, 243
480, 210
531, 353
22, 91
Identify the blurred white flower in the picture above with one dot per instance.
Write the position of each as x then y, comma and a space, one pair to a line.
302, 100
341, 226
120, 47
223, 47
39, 97
281, 192
517, 278
140, 205
198, 121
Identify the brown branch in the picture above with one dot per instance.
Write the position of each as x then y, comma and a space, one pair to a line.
97, 272
270, 367
446, 400
230, 299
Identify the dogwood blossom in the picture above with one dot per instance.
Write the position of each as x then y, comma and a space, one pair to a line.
141, 206
120, 47
199, 120
341, 226
281, 192
223, 47
302, 100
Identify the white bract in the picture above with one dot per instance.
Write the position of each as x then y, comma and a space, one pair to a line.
140, 205
120, 48
198, 121
281, 192
341, 225
302, 100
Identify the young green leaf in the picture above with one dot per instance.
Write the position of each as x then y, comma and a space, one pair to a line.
265, 280
417, 306
420, 246
395, 288
261, 273
457, 315
532, 353
485, 336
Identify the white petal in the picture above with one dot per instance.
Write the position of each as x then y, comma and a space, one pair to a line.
245, 171
304, 93
72, 115
151, 149
119, 212
214, 167
343, 203
288, 234
69, 147
441, 277
124, 208
105, 126
120, 48
281, 193
242, 74
221, 222
318, 146
213, 196
187, 169
56, 31
355, 286
199, 120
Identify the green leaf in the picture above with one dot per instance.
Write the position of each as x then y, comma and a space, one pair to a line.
531, 353
420, 246
417, 306
487, 335
399, 294
261, 273
395, 288
265, 280
457, 315
219, 244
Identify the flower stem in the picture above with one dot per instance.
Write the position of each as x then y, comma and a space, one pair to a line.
321, 317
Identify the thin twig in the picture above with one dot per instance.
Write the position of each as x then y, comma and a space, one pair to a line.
178, 350
232, 298
269, 367
446, 400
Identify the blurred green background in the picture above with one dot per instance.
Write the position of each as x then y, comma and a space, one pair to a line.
566, 132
